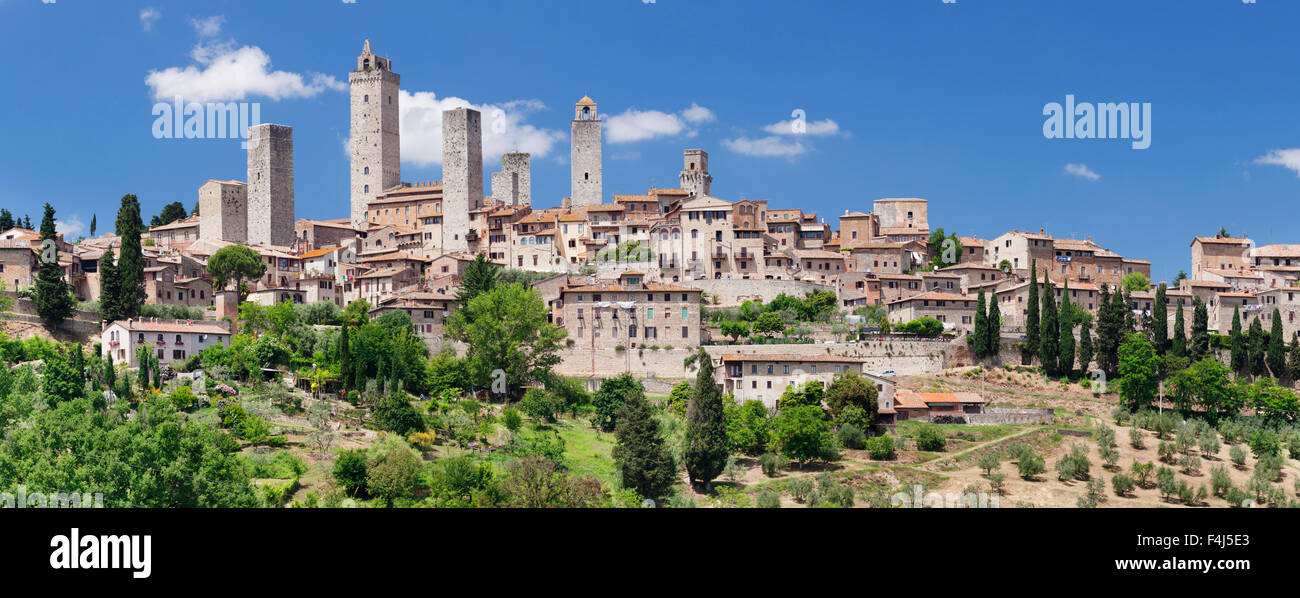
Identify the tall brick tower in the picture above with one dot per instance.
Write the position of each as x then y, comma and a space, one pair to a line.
585, 159
270, 185
462, 174
375, 145
695, 177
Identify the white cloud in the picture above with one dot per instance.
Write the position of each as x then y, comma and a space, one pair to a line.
208, 26
149, 16
1286, 158
227, 73
698, 114
504, 128
71, 228
1082, 171
639, 125
815, 128
766, 147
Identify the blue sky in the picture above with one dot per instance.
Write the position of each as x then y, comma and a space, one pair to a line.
902, 99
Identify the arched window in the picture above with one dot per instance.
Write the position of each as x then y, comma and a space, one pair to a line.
365, 98
367, 189
367, 170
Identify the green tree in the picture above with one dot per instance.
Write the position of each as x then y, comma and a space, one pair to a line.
1160, 321
1085, 346
60, 381
506, 330
1200, 338
643, 460
350, 472
769, 323
54, 300
611, 396
976, 338
129, 287
1065, 346
6, 220
1179, 344
394, 475
1108, 333
993, 337
852, 392
1293, 358
93, 224
110, 308
1049, 330
1032, 341
735, 329
1206, 384
480, 277
235, 263
803, 434
1257, 345
1237, 342
1275, 356
1136, 281
748, 427
705, 451
1139, 370
170, 213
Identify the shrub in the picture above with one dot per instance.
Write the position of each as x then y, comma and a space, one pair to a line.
1209, 443
1238, 455
930, 438
1167, 451
1264, 442
771, 464
768, 499
881, 447
733, 470
799, 488
851, 436
1122, 416
350, 472
183, 398
997, 482
1165, 481
988, 462
1122, 483
1142, 473
1074, 465
1219, 480
1029, 465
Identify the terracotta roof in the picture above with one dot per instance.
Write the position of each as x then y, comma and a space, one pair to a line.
187, 222
937, 296
1276, 251
318, 252
620, 288
1222, 240
586, 101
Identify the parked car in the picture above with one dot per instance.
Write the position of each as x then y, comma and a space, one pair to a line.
888, 374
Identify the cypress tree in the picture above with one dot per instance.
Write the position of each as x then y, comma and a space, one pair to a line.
644, 462
1200, 339
110, 309
27, 222
1031, 313
1293, 358
1276, 355
978, 345
1065, 347
93, 224
54, 301
1049, 328
130, 265
1130, 318
1160, 321
994, 320
1257, 345
6, 220
344, 354
705, 453
1238, 343
1105, 348
1179, 344
1085, 346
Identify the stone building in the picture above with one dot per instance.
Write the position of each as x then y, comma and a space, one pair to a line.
513, 185
585, 156
223, 211
764, 378
603, 317
270, 185
176, 236
174, 341
902, 219
957, 312
462, 175
375, 142
695, 177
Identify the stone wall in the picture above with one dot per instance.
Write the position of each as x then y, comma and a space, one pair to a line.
732, 292
993, 416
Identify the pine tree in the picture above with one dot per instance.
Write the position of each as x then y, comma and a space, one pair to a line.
643, 460
130, 265
1050, 331
705, 451
480, 276
27, 222
54, 301
1065, 347
1275, 357
1031, 313
1238, 344
1178, 347
1200, 339
1257, 345
1160, 321
1085, 346
6, 220
975, 339
994, 321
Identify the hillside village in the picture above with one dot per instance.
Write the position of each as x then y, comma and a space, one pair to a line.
644, 293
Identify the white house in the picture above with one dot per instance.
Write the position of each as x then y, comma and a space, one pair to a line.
172, 340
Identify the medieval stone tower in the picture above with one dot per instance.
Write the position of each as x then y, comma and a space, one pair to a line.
375, 138
585, 159
223, 211
462, 174
695, 177
270, 185
513, 185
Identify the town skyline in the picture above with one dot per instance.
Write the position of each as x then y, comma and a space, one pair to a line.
853, 152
